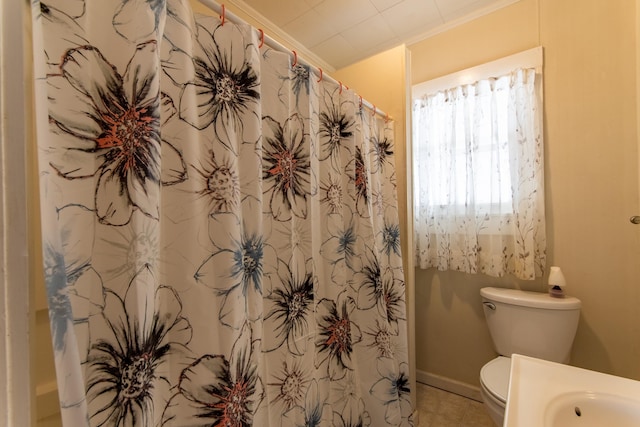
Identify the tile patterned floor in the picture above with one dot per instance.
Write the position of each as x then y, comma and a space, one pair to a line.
438, 408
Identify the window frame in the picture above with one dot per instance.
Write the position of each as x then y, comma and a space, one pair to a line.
532, 58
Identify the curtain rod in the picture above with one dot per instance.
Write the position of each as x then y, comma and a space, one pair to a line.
274, 44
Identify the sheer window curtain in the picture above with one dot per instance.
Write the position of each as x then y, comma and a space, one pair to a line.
479, 178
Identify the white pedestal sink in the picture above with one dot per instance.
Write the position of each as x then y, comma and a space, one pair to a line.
548, 394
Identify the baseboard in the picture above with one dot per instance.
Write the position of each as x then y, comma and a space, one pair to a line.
448, 384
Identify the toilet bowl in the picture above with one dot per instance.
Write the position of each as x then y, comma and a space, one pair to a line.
528, 323
494, 385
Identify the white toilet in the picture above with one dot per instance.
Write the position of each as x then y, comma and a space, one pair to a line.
528, 323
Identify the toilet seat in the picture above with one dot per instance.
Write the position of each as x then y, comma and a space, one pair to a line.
494, 376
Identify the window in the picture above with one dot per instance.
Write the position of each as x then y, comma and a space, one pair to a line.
478, 171
444, 124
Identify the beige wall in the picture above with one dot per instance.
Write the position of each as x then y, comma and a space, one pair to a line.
591, 176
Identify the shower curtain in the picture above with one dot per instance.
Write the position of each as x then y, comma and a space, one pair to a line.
219, 227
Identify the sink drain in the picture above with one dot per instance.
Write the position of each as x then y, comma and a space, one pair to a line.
577, 411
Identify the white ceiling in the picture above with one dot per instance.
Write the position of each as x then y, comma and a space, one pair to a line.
341, 32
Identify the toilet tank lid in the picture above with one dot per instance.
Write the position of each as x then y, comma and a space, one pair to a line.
530, 299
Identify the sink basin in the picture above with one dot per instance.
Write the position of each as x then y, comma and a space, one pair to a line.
543, 393
591, 409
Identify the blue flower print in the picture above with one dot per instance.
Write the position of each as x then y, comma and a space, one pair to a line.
316, 411
239, 266
136, 20
74, 288
299, 80
60, 314
391, 238
340, 249
294, 84
393, 391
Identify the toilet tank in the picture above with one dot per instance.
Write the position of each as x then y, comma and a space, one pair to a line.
531, 323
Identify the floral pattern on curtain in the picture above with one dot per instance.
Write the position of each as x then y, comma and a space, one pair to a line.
479, 178
220, 228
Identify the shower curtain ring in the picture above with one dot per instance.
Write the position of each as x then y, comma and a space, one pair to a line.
374, 110
222, 17
360, 106
320, 79
261, 38
340, 87
295, 58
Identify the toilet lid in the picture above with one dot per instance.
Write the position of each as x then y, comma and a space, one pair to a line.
495, 377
